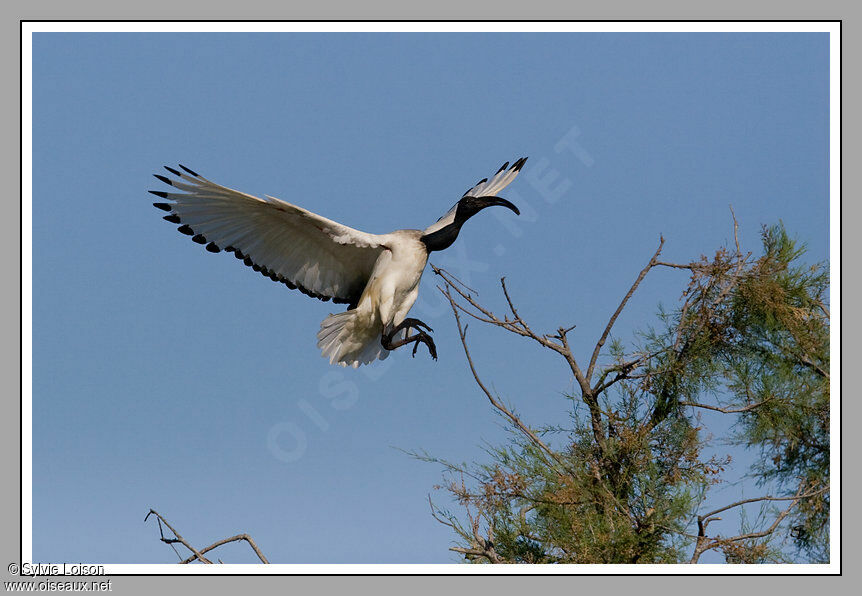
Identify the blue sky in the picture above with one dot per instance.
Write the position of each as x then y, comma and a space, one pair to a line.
168, 377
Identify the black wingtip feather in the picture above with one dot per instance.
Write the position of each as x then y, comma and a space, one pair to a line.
164, 179
519, 164
162, 206
214, 248
503, 167
172, 171
173, 218
185, 229
193, 173
158, 193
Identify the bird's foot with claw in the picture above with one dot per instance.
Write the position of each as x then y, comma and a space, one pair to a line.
429, 343
414, 323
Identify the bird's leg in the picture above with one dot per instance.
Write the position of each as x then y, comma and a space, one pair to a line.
386, 339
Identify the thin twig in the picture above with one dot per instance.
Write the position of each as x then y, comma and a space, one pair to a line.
438, 518
705, 543
509, 300
169, 541
462, 333
438, 271
795, 497
179, 538
747, 408
807, 362
735, 230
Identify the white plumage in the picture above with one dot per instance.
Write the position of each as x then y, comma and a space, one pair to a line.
376, 275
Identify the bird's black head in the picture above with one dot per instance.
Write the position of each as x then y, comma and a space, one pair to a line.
466, 208
470, 206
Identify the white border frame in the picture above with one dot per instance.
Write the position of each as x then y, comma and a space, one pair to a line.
831, 27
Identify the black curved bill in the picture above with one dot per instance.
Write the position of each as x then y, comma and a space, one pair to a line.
499, 201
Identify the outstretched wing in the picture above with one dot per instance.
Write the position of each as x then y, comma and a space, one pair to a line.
286, 243
500, 180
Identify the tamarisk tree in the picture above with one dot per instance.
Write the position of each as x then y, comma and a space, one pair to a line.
629, 480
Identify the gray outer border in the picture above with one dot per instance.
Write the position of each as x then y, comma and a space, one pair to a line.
12, 12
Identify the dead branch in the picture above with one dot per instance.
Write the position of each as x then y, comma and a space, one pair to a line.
236, 538
735, 230
557, 342
198, 554
177, 537
462, 333
609, 326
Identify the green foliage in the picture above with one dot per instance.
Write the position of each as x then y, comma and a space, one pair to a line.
750, 340
782, 362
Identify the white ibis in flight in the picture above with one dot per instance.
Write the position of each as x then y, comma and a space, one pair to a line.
375, 275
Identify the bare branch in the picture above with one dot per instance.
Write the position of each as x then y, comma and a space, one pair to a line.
462, 332
566, 352
509, 300
735, 230
587, 395
439, 271
489, 317
517, 326
198, 554
604, 337
178, 538
520, 327
437, 517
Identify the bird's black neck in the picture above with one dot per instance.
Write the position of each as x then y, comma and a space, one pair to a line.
442, 238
